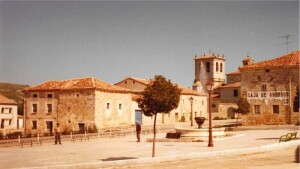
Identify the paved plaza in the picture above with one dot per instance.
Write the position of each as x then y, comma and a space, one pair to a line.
125, 151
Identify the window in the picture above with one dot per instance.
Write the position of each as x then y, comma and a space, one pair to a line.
221, 67
235, 93
34, 95
275, 109
49, 107
10, 120
49, 96
217, 67
107, 106
257, 109
120, 106
34, 108
34, 125
207, 67
6, 110
263, 87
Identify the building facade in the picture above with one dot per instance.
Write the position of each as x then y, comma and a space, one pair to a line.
189, 101
8, 114
79, 105
271, 87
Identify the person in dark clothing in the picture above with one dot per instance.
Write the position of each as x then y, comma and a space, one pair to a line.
138, 130
57, 134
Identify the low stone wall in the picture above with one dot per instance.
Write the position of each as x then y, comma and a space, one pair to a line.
265, 119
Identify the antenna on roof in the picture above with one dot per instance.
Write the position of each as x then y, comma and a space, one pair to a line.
286, 42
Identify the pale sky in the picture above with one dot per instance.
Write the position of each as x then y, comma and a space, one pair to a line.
59, 40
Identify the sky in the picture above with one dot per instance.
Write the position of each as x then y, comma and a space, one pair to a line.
109, 40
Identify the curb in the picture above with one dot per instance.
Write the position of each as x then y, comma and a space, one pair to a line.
149, 160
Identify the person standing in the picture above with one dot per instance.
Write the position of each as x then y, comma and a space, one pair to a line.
138, 130
58, 134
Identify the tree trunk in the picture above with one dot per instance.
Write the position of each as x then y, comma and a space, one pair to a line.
237, 119
154, 136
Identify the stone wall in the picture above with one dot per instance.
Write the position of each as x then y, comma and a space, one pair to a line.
114, 109
232, 78
275, 79
76, 107
227, 95
265, 119
41, 116
226, 110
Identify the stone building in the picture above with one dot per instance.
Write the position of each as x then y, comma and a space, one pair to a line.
77, 104
271, 88
9, 114
230, 93
199, 103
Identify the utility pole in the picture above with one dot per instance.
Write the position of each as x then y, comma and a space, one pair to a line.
286, 42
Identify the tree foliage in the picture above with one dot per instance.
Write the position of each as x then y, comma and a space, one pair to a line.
243, 106
160, 96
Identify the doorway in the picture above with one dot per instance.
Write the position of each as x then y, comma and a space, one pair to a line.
81, 128
49, 127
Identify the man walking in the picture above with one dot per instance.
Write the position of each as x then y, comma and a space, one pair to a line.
138, 130
57, 134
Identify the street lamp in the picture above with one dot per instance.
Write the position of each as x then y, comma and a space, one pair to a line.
192, 101
209, 88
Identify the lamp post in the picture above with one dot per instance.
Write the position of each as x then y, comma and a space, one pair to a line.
209, 88
192, 101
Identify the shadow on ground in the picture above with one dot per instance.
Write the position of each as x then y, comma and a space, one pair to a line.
118, 158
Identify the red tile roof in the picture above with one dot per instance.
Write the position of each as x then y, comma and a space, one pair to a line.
234, 73
184, 90
232, 85
7, 101
143, 81
292, 60
78, 84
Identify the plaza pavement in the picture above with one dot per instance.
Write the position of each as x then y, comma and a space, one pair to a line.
125, 151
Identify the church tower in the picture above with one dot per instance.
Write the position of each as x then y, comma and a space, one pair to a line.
209, 67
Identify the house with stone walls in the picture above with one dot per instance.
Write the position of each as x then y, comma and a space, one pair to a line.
271, 87
229, 93
8, 115
183, 111
79, 105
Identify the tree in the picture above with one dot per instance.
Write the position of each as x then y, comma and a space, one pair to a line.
296, 101
243, 107
160, 96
